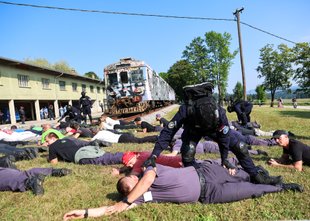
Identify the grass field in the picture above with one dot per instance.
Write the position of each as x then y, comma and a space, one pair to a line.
93, 186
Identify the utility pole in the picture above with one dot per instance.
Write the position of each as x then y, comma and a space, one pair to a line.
237, 14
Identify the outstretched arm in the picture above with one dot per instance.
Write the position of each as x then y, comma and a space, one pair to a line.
80, 214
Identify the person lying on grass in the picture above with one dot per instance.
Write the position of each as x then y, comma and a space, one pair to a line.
211, 183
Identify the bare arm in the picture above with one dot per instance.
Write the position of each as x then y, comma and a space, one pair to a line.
281, 162
54, 161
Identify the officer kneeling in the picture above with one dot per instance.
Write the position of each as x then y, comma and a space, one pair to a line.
201, 116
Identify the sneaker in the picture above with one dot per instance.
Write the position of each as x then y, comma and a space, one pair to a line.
61, 172
35, 184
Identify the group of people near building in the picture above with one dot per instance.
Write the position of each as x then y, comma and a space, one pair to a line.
199, 126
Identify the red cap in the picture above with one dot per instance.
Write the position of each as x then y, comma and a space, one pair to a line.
127, 157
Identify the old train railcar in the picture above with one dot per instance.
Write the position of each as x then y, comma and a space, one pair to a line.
133, 86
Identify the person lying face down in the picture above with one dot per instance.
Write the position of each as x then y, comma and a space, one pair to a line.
211, 183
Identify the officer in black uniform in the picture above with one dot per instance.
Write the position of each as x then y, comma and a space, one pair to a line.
194, 131
243, 110
72, 114
86, 105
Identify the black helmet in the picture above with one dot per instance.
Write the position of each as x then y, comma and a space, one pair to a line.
83, 93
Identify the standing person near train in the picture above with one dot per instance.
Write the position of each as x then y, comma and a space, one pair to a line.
86, 105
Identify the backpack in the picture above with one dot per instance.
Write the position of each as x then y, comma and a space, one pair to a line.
202, 107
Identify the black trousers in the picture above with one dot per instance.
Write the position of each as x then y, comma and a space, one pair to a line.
129, 138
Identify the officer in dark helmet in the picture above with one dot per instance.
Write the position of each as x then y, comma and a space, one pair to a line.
201, 116
72, 114
243, 110
86, 105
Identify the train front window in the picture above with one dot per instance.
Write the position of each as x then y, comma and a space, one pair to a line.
137, 76
112, 79
124, 77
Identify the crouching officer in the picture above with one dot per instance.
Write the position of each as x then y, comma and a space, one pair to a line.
243, 110
72, 114
201, 116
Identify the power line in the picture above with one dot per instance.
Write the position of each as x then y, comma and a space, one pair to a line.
141, 14
251, 26
112, 12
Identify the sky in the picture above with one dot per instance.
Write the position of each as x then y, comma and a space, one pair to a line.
91, 41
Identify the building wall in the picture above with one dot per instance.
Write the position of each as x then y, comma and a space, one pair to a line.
11, 91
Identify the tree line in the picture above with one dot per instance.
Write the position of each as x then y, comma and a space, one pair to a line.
209, 58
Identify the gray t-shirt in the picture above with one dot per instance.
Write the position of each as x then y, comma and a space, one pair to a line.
178, 185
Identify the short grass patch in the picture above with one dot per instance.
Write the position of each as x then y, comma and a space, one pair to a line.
93, 186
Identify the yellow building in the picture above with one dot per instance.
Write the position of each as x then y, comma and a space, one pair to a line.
35, 88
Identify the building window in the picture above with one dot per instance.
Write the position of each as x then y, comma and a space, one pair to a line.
83, 87
91, 89
45, 83
98, 90
23, 80
62, 85
74, 86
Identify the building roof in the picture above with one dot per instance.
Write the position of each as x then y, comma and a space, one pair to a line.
25, 66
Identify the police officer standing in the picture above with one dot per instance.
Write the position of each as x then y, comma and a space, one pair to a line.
201, 116
86, 105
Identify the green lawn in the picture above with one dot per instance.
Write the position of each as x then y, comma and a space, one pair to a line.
93, 186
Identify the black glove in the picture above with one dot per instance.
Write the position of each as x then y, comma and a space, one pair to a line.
150, 162
227, 164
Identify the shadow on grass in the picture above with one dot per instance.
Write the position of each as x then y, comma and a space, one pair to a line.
292, 113
114, 196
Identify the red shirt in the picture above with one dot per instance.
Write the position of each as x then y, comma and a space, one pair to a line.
171, 161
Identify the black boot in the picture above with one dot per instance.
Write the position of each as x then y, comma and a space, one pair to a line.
32, 152
292, 186
61, 172
100, 143
35, 184
7, 162
261, 152
21, 155
263, 178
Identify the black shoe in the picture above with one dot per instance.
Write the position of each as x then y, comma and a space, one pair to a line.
261, 152
35, 184
32, 152
292, 186
263, 178
8, 162
100, 143
21, 155
105, 144
61, 172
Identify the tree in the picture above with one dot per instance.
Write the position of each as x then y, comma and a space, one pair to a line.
91, 74
61, 66
180, 74
276, 68
302, 61
238, 91
260, 93
41, 62
211, 59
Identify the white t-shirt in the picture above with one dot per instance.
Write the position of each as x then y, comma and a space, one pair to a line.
108, 136
111, 122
